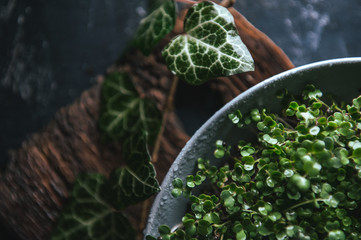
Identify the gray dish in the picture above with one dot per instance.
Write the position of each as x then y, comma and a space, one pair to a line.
341, 77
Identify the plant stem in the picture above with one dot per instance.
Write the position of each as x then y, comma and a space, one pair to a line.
224, 3
323, 103
304, 203
178, 226
285, 123
227, 3
221, 225
336, 107
167, 110
191, 2
250, 211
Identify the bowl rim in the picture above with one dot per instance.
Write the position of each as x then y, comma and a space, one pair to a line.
223, 110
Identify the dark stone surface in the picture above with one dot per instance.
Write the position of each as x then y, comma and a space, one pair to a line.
50, 51
308, 30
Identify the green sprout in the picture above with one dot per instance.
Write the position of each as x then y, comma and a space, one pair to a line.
300, 180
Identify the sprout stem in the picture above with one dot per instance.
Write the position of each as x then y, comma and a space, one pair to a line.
304, 203
284, 122
250, 211
177, 226
221, 225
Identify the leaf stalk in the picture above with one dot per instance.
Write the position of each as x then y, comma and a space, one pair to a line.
167, 110
190, 2
227, 3
304, 203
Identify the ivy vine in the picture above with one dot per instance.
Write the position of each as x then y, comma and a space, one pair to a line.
210, 47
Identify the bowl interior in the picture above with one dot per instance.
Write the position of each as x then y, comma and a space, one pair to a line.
341, 77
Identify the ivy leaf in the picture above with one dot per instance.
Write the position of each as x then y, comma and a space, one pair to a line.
211, 46
136, 181
155, 26
124, 113
88, 216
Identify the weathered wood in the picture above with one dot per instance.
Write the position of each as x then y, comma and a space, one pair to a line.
37, 180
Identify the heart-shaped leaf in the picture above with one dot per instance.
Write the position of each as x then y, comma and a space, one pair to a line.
124, 113
133, 120
90, 212
136, 181
155, 26
210, 47
88, 216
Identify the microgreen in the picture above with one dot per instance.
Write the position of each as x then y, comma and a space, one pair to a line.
301, 180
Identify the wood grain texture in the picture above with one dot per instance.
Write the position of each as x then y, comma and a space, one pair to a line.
39, 175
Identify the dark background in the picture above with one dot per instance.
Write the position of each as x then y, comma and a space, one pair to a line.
51, 51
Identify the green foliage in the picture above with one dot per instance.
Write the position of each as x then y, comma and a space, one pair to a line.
136, 181
302, 180
210, 47
124, 113
93, 210
89, 216
155, 26
221, 149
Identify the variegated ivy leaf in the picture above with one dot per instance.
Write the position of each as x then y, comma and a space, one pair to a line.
155, 26
210, 47
88, 216
124, 113
136, 181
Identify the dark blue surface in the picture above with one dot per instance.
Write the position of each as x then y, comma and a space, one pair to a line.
50, 51
308, 30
